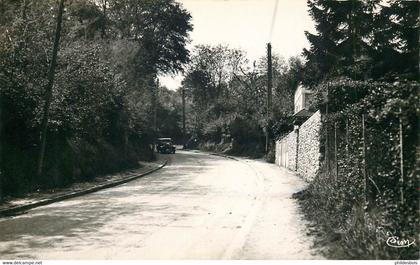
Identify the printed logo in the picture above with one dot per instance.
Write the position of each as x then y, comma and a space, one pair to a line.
394, 241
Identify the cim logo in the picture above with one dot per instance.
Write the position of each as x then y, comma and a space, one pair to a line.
396, 242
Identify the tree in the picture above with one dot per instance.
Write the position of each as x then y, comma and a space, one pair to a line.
342, 43
160, 27
49, 87
101, 95
396, 34
208, 77
159, 31
362, 39
228, 97
86, 20
169, 113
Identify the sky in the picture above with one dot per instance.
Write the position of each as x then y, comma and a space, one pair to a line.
246, 24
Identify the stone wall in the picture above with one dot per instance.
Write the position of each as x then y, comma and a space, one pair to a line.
309, 147
300, 150
286, 151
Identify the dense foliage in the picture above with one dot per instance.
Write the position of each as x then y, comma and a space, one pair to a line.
227, 99
367, 190
363, 39
105, 90
363, 66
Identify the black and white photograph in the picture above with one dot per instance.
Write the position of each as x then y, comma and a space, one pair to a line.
209, 132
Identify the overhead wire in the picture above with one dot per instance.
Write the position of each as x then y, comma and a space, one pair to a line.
273, 20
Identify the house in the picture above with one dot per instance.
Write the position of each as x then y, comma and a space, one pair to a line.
300, 149
302, 100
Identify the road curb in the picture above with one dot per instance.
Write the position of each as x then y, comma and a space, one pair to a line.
225, 156
21, 208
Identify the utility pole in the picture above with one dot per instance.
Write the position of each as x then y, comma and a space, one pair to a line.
184, 135
49, 87
155, 103
327, 135
269, 92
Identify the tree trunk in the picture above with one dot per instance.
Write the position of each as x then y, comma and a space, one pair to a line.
184, 134
155, 95
103, 26
335, 151
49, 87
364, 159
347, 137
24, 9
401, 159
269, 91
327, 143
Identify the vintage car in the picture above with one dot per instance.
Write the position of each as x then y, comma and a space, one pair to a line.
165, 146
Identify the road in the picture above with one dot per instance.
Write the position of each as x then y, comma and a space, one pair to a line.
199, 206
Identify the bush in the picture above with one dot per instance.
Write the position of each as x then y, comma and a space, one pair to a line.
354, 210
271, 155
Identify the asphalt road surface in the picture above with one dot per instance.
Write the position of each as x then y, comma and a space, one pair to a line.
199, 206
